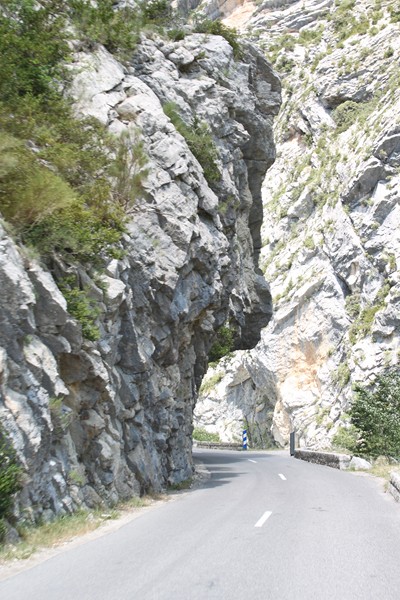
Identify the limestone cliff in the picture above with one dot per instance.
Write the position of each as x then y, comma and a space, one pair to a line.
331, 245
99, 421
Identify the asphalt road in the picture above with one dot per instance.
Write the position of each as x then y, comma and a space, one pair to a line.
264, 526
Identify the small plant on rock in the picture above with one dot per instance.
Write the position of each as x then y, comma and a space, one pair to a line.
82, 307
10, 479
199, 139
223, 345
218, 28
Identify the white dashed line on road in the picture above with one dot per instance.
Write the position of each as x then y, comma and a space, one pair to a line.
282, 477
262, 520
249, 459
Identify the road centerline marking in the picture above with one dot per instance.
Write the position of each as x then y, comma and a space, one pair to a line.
250, 460
262, 520
282, 477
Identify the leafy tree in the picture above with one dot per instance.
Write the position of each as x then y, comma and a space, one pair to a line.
376, 414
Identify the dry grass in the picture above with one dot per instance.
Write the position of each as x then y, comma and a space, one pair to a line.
64, 529
383, 470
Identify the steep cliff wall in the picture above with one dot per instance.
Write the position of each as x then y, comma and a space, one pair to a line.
331, 245
99, 421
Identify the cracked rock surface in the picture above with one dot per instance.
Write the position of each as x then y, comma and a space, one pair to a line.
330, 236
100, 421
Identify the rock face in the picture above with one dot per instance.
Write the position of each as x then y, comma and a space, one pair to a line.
331, 238
99, 421
228, 403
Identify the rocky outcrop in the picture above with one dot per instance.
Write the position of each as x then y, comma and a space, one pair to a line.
331, 245
99, 421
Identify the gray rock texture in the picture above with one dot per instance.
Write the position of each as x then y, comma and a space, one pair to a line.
394, 485
330, 237
97, 422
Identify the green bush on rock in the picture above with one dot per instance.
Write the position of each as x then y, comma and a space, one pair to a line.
218, 28
199, 139
10, 478
223, 345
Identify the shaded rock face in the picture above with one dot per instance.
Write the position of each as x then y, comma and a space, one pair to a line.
100, 421
331, 245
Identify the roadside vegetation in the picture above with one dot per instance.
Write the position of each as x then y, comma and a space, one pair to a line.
202, 435
64, 529
374, 419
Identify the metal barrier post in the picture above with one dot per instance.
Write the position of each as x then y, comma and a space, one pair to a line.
292, 443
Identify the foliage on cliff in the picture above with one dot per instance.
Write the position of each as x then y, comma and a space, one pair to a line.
376, 414
199, 140
10, 478
62, 185
218, 28
66, 185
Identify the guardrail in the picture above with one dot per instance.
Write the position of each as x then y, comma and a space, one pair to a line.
343, 462
216, 445
330, 459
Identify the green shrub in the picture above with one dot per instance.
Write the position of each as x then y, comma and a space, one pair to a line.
394, 14
78, 234
341, 376
157, 11
32, 47
284, 64
10, 478
363, 324
218, 28
199, 139
209, 383
376, 413
223, 344
100, 22
346, 438
128, 170
309, 243
202, 435
346, 114
29, 192
311, 36
82, 307
176, 34
353, 305
59, 197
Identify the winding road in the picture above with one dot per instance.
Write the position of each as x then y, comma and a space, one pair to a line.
263, 526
